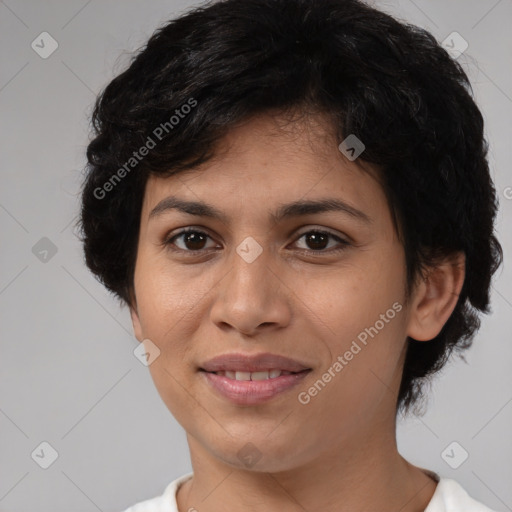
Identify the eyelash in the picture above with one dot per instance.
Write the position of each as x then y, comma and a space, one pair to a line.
168, 242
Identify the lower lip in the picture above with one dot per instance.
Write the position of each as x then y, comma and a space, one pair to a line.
253, 392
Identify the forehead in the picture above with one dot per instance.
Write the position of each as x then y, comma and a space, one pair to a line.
268, 160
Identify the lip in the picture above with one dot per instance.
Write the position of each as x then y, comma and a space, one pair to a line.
252, 392
252, 363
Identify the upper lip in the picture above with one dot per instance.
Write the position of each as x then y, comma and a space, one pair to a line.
252, 363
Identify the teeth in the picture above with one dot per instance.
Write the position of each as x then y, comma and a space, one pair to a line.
259, 375
262, 375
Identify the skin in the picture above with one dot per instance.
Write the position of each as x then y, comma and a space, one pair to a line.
338, 452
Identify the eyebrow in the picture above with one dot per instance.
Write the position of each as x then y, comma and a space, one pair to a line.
294, 209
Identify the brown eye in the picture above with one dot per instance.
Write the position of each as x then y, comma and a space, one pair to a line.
317, 241
192, 239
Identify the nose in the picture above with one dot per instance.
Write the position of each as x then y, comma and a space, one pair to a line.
252, 296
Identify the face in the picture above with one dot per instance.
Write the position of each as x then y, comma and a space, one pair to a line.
323, 287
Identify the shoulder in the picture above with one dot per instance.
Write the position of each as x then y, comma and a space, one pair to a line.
166, 502
450, 496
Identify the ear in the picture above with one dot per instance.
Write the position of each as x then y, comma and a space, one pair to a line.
137, 328
435, 298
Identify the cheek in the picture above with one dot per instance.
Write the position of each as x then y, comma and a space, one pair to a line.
169, 305
352, 298
170, 382
359, 377
360, 316
162, 296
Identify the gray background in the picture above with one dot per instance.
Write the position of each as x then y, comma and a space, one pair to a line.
68, 373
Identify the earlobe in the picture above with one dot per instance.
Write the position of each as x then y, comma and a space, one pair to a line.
134, 314
137, 328
435, 298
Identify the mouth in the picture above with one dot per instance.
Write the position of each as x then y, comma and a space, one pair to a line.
258, 364
250, 379
273, 373
252, 388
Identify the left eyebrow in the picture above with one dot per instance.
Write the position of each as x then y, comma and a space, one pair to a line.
294, 209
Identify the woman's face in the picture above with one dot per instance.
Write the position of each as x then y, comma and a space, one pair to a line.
251, 284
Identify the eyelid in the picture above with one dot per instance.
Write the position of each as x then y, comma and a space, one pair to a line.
320, 229
345, 241
167, 240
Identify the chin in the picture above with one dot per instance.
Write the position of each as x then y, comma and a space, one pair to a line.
258, 452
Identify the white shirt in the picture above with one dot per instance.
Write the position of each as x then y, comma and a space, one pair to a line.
449, 496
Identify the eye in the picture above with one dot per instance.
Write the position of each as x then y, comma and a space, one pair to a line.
192, 238
194, 241
317, 239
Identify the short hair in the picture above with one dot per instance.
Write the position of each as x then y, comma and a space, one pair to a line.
389, 83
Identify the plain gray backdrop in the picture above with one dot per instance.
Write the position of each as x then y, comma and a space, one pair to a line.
69, 377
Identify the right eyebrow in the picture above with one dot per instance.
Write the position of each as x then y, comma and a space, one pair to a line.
294, 209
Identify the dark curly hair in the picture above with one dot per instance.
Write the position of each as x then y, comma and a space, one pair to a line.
389, 83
